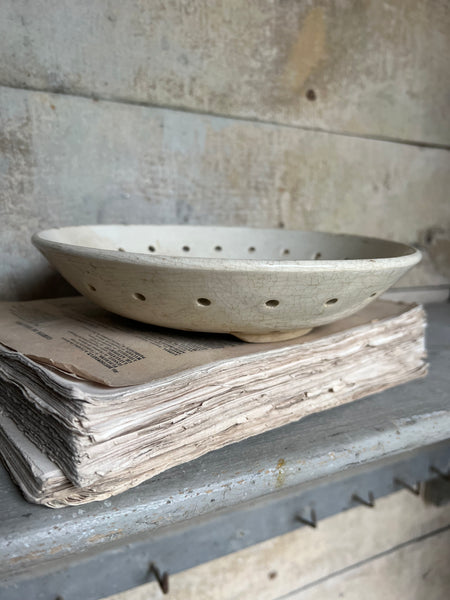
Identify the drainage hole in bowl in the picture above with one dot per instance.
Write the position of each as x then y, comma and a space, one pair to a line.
252, 249
286, 251
121, 249
218, 248
138, 296
272, 303
373, 294
203, 301
151, 248
331, 301
186, 248
92, 287
317, 255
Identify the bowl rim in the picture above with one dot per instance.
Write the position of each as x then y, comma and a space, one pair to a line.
409, 259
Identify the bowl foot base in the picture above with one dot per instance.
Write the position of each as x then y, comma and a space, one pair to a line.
272, 336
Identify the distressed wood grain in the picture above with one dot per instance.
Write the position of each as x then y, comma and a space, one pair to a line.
326, 561
370, 68
418, 570
68, 161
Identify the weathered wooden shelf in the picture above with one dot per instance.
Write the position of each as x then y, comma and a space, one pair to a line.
234, 497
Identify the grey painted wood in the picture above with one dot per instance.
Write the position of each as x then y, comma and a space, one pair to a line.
122, 566
305, 453
68, 161
374, 68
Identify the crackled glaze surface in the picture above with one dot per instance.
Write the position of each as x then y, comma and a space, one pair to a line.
259, 284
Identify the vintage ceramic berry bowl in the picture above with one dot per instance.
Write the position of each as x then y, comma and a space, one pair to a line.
258, 284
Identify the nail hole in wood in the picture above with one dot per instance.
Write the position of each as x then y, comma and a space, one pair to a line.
272, 303
203, 301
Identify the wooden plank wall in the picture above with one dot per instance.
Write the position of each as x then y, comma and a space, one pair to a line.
318, 115
376, 68
399, 550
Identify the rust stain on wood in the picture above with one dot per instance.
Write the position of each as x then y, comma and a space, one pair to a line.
281, 476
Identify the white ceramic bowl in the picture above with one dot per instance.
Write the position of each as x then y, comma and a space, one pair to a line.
258, 284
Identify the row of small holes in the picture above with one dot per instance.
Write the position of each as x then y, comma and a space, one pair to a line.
252, 249
200, 301
269, 303
207, 302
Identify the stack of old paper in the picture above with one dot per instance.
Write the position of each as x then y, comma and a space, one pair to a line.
92, 404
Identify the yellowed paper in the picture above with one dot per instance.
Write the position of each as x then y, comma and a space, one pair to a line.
76, 336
